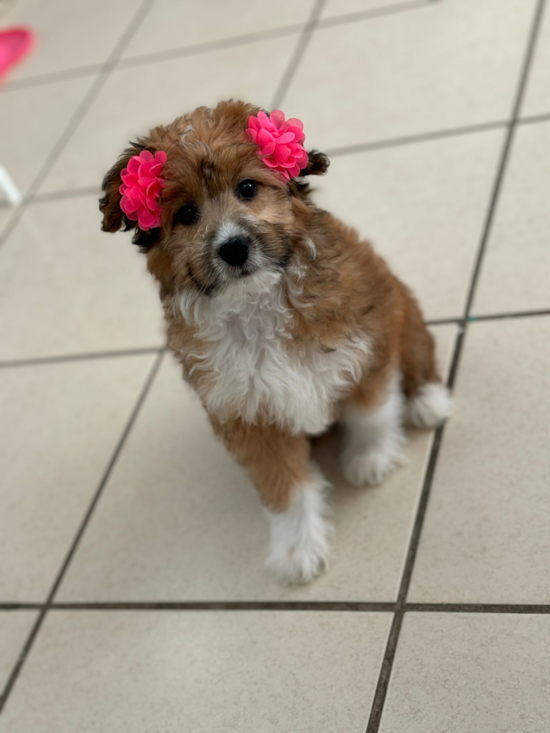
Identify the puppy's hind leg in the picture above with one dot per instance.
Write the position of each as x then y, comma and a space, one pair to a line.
374, 437
428, 401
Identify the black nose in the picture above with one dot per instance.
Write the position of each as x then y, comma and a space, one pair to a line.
235, 251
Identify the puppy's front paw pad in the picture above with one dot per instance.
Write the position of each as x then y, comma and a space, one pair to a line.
370, 467
299, 562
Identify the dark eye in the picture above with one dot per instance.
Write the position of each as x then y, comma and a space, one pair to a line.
187, 214
247, 189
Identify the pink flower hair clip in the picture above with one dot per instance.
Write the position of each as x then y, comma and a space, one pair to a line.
279, 143
141, 187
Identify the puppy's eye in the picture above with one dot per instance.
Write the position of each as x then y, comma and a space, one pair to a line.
187, 214
247, 189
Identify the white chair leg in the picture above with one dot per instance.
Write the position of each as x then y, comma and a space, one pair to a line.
8, 188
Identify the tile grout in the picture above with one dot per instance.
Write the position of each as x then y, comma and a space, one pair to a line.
88, 356
298, 53
80, 532
138, 351
343, 606
382, 686
416, 138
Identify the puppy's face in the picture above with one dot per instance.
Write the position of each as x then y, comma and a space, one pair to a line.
225, 216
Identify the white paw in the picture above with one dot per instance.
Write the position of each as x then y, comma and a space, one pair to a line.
299, 546
430, 406
371, 466
299, 563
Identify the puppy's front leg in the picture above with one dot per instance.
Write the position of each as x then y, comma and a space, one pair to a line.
293, 491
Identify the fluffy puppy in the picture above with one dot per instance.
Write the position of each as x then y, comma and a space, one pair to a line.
283, 319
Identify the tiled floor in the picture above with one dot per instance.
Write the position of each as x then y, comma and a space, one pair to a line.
132, 589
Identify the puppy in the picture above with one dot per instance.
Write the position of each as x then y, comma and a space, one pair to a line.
283, 319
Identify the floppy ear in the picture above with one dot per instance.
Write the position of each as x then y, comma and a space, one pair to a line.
317, 164
114, 218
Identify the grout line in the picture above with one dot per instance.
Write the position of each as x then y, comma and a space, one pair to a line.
40, 361
444, 322
40, 198
507, 316
52, 77
421, 137
342, 606
46, 197
534, 119
139, 351
352, 606
383, 10
401, 608
297, 55
80, 532
208, 46
508, 608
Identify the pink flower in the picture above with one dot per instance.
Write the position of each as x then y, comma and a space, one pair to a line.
141, 187
279, 142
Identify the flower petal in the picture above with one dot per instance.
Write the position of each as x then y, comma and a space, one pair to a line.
286, 137
278, 118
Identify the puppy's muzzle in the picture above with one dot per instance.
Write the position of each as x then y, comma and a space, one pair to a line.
235, 250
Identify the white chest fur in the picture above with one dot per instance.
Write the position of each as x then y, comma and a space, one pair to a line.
246, 348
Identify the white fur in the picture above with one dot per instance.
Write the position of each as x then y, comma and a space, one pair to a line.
374, 439
228, 230
257, 373
299, 546
430, 406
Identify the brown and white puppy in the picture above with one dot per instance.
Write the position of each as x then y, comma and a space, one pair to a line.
284, 321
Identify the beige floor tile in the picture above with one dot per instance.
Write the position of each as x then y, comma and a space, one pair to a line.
514, 275
486, 533
69, 34
200, 672
172, 23
32, 120
537, 95
76, 289
334, 8
14, 629
449, 64
181, 521
135, 99
430, 231
59, 425
461, 673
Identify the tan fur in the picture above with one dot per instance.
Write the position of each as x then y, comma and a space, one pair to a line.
345, 292
277, 461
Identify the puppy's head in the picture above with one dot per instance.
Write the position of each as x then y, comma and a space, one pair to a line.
226, 217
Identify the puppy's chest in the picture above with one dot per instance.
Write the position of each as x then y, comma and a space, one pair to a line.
250, 368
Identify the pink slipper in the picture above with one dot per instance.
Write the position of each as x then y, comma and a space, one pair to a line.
15, 44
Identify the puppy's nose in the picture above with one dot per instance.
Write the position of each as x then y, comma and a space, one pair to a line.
234, 251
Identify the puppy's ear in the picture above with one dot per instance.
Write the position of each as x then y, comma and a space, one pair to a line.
317, 165
109, 204
114, 218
